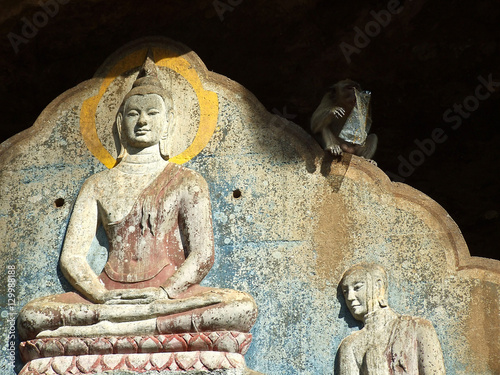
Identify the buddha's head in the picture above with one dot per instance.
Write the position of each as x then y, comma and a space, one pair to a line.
145, 114
365, 289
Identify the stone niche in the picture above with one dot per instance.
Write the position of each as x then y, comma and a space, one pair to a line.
288, 218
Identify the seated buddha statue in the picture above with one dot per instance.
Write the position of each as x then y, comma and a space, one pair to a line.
157, 218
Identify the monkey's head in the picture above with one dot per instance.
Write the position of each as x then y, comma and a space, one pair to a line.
344, 91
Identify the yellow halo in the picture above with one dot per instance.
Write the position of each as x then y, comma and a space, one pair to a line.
207, 100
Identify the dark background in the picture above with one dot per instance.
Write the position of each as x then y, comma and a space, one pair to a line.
419, 64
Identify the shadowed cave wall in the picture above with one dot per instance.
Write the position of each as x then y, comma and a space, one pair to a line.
427, 64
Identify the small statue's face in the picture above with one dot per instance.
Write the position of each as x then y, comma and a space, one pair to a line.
355, 294
144, 120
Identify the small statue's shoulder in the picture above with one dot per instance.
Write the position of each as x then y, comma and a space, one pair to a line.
420, 325
353, 339
415, 319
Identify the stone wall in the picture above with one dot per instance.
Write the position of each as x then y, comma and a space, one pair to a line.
421, 62
288, 219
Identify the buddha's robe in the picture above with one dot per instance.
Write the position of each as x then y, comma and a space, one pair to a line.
152, 247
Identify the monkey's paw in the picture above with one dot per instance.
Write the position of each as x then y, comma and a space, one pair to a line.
338, 112
335, 150
370, 161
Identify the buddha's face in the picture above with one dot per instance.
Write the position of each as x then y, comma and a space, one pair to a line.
355, 294
144, 120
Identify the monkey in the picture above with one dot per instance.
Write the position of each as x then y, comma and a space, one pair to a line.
343, 119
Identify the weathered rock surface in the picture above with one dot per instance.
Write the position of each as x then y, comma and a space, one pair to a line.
287, 219
422, 62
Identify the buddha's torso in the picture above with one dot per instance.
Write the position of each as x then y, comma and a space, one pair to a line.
116, 191
140, 214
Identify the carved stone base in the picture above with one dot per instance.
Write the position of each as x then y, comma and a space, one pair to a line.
220, 341
137, 363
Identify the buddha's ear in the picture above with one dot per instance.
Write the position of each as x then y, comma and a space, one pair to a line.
170, 120
164, 148
119, 120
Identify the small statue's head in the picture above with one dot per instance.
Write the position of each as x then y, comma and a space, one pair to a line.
145, 114
365, 289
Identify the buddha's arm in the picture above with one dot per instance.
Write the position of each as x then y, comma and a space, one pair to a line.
430, 355
79, 235
196, 223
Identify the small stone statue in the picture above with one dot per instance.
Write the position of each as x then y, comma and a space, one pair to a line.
343, 119
157, 217
389, 343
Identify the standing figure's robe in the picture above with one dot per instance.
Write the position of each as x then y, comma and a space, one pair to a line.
391, 344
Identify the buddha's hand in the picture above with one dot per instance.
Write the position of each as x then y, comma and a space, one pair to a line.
134, 296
